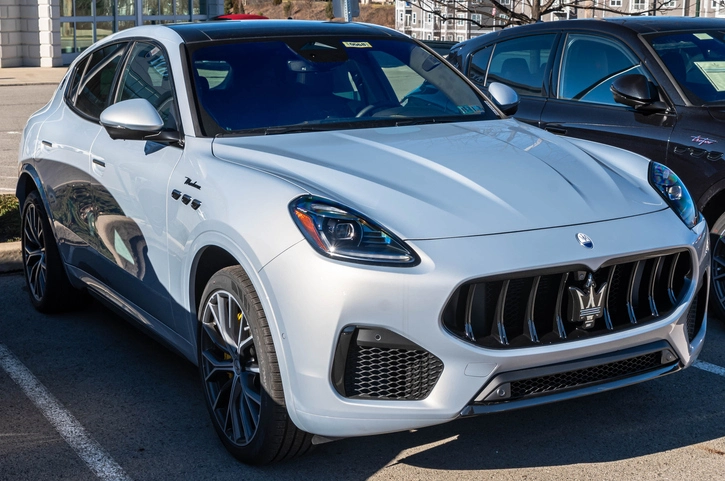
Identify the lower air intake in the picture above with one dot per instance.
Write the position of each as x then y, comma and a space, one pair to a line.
378, 364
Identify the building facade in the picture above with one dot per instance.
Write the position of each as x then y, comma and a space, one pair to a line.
51, 33
455, 20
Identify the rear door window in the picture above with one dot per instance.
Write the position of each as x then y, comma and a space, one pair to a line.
520, 63
96, 86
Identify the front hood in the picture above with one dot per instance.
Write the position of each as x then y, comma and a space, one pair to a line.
452, 180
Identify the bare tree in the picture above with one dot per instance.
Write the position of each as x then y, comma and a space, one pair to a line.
504, 13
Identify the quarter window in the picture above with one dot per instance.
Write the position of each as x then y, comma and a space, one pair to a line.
521, 63
590, 65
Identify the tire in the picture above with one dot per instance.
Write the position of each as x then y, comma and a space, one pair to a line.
717, 284
240, 375
48, 285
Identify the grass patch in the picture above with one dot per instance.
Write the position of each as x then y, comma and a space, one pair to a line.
9, 218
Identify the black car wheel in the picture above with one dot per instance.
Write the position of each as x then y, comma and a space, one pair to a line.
45, 276
240, 374
717, 244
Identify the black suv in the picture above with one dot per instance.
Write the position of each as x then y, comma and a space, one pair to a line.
652, 85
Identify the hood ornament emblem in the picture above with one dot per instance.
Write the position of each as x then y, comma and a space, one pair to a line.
587, 305
585, 240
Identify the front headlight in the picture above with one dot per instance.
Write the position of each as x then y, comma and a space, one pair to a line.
674, 192
341, 233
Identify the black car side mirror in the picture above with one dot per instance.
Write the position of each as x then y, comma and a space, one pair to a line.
636, 91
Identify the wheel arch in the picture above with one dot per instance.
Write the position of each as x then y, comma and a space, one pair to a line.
713, 203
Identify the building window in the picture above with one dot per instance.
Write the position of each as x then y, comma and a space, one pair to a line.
460, 19
615, 3
639, 4
460, 38
415, 18
429, 17
476, 17
400, 17
414, 35
428, 37
505, 2
671, 4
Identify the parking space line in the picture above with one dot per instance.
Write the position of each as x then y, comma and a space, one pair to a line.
97, 459
706, 366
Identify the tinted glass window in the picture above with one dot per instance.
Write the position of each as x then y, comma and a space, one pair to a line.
76, 79
97, 83
147, 77
479, 65
697, 62
331, 83
589, 66
521, 63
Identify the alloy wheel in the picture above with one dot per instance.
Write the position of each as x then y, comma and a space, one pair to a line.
34, 254
230, 368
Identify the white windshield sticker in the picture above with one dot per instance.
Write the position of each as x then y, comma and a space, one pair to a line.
357, 44
715, 73
703, 36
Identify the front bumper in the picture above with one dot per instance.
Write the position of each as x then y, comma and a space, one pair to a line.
312, 300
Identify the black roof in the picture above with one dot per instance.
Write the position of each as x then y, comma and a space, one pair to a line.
231, 30
613, 25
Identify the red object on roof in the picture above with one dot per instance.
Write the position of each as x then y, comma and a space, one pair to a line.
240, 16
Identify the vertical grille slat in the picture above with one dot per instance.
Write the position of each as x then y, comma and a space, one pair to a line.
499, 328
530, 327
651, 288
563, 305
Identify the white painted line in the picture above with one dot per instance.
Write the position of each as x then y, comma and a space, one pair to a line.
68, 426
706, 366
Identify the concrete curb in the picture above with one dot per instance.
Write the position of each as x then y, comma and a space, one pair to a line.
11, 257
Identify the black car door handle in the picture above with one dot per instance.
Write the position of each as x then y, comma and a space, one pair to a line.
556, 130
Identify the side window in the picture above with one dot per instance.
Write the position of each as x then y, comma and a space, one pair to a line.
72, 88
146, 76
479, 65
589, 66
96, 85
521, 63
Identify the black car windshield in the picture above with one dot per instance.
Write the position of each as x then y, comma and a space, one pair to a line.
326, 83
696, 60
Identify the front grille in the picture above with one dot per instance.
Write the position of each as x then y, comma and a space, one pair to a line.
378, 364
595, 374
529, 309
696, 314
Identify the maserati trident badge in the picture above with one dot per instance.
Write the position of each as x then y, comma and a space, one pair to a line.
587, 305
585, 240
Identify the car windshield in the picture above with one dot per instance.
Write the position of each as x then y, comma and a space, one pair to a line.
273, 86
697, 61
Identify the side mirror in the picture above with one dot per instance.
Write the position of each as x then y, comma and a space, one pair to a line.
136, 119
636, 91
505, 97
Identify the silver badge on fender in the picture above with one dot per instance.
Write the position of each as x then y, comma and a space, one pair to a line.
587, 305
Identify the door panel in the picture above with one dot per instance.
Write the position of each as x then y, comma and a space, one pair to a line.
130, 191
584, 106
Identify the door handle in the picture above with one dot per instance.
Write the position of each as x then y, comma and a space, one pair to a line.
99, 162
555, 130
